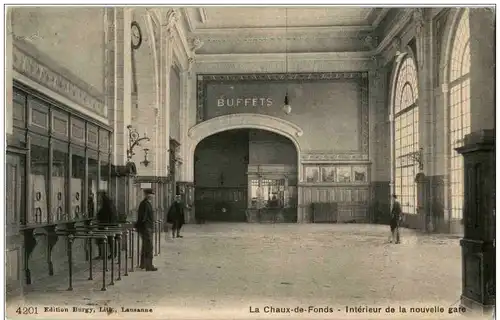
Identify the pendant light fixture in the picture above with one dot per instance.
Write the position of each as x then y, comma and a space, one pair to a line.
287, 108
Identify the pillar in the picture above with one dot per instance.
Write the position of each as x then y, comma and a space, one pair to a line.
379, 150
424, 63
8, 73
166, 53
482, 71
118, 94
478, 244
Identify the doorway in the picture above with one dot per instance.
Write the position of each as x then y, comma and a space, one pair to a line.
245, 175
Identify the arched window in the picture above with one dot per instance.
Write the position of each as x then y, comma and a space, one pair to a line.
459, 112
406, 145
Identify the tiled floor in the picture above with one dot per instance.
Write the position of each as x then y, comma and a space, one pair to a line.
228, 271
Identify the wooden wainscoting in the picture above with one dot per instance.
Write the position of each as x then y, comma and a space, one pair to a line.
221, 203
352, 201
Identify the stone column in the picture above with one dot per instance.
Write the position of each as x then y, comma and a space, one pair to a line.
482, 71
424, 63
478, 244
8, 73
166, 50
118, 94
379, 154
191, 118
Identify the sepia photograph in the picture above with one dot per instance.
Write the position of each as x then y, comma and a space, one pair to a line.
249, 161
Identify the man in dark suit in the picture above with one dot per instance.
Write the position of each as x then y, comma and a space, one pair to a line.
175, 216
145, 226
106, 216
395, 219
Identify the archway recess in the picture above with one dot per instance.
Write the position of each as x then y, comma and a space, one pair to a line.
243, 121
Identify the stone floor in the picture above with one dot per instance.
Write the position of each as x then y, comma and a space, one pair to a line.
231, 271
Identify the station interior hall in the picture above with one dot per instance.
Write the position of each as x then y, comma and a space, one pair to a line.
285, 133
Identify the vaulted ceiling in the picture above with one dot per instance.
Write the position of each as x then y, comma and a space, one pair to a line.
230, 30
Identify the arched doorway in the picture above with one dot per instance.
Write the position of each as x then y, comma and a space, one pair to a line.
246, 175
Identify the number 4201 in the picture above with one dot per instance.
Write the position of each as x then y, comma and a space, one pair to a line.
27, 310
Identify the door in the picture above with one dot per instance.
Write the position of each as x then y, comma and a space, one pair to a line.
14, 211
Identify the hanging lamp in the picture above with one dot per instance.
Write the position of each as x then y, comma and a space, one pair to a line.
287, 108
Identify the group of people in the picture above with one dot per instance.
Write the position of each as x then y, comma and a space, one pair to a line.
145, 225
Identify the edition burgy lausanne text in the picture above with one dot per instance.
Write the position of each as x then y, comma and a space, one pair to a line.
88, 310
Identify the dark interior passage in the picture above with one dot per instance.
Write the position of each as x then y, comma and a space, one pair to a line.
246, 175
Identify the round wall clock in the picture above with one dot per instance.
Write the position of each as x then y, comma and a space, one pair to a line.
136, 35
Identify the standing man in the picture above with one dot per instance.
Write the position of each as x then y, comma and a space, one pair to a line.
145, 226
395, 219
106, 216
175, 216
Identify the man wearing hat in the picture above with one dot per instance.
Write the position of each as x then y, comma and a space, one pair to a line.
396, 213
145, 226
175, 216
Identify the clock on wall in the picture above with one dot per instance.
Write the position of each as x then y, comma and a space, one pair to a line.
136, 35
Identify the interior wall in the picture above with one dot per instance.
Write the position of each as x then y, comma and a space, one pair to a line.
72, 37
270, 148
144, 113
327, 111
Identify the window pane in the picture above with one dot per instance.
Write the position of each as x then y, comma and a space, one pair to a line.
77, 185
406, 140
103, 185
459, 111
59, 184
40, 181
92, 182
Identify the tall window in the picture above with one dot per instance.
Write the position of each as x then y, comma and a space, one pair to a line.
406, 135
459, 111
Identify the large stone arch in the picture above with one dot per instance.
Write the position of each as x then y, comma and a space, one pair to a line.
241, 121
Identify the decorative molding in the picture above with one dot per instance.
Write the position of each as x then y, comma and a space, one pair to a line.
278, 33
402, 20
314, 56
370, 42
282, 76
30, 67
172, 16
195, 44
381, 15
396, 45
203, 15
245, 120
189, 21
328, 156
418, 19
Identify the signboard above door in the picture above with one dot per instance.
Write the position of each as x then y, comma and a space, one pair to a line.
331, 108
264, 93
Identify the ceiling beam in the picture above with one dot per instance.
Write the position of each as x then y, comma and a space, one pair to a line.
402, 21
225, 32
203, 15
238, 57
381, 15
188, 19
